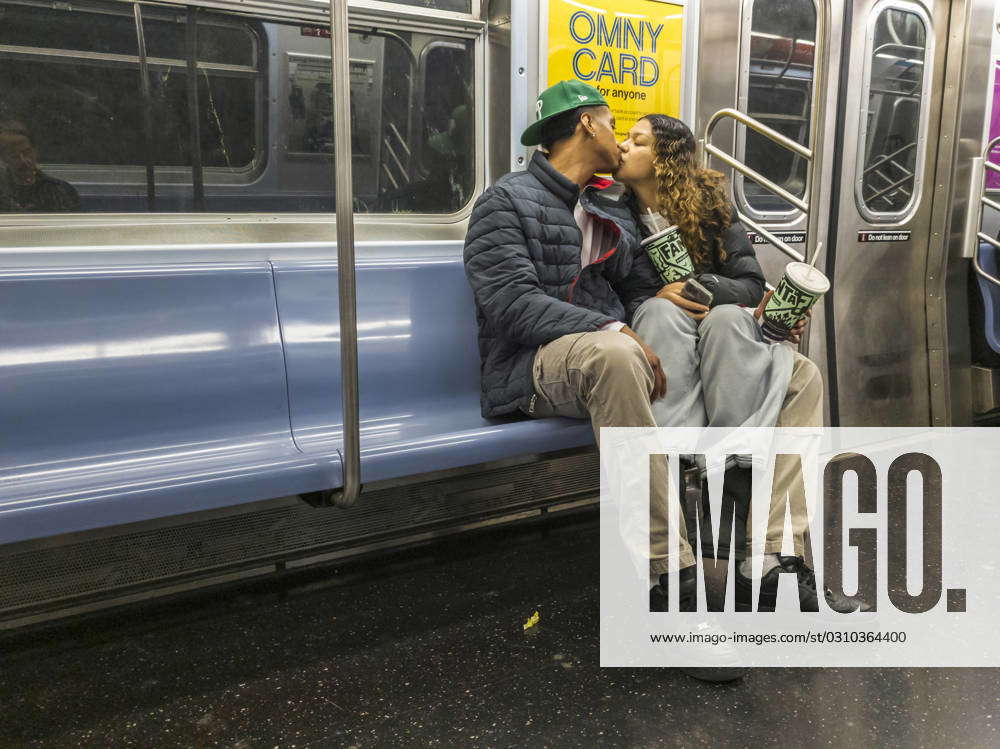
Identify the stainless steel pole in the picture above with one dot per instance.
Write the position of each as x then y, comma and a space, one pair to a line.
194, 112
147, 111
344, 187
817, 156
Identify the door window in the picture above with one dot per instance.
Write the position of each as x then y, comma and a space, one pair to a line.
778, 89
893, 124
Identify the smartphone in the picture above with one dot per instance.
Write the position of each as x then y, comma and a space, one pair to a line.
695, 292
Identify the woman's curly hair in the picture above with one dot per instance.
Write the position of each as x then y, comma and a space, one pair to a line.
694, 198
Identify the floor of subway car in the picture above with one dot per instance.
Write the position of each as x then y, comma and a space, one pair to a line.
427, 647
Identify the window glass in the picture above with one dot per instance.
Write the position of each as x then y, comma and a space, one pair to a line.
892, 128
72, 118
100, 28
779, 94
64, 104
74, 110
66, 97
457, 6
411, 134
218, 42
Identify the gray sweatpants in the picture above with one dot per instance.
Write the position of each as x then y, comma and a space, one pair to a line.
720, 372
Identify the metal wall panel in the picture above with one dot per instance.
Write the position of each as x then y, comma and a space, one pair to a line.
965, 108
879, 287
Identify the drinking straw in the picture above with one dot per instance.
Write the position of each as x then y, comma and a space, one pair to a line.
812, 263
655, 219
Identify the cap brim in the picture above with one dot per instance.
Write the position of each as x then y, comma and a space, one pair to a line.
532, 134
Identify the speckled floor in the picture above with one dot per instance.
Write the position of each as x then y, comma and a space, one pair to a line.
426, 648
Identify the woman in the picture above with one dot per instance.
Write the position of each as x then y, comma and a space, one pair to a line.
720, 370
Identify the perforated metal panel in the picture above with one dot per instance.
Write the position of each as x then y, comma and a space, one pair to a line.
58, 573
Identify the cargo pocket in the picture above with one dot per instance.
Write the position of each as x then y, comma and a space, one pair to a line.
555, 383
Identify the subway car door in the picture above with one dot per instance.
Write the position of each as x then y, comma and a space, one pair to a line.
891, 76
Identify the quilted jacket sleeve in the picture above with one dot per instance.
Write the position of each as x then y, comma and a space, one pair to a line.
505, 282
739, 279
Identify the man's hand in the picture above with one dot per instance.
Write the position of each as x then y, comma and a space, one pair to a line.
672, 292
659, 376
795, 335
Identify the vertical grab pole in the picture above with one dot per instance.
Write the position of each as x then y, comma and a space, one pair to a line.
194, 129
815, 167
344, 187
147, 111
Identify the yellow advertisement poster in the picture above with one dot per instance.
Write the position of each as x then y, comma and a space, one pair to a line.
630, 50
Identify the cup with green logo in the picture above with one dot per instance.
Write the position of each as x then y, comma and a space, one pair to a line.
797, 291
668, 254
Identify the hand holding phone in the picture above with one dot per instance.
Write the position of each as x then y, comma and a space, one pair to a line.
695, 292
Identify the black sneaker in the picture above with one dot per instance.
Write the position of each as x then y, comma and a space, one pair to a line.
808, 596
768, 594
688, 592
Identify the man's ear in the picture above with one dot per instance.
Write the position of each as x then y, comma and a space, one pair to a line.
587, 120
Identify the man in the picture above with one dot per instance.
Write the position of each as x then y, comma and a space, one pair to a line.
31, 190
548, 255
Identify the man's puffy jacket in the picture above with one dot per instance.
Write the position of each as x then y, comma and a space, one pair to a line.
522, 258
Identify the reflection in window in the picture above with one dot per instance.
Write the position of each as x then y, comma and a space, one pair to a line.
892, 128
779, 94
456, 6
71, 79
73, 112
411, 136
24, 187
447, 127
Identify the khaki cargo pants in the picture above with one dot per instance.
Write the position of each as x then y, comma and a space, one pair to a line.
604, 376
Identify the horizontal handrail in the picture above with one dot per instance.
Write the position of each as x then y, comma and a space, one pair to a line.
979, 175
987, 202
779, 243
756, 177
975, 259
757, 127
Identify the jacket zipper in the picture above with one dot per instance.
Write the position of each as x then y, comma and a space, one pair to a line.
602, 258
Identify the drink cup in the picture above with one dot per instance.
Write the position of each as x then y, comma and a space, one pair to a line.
797, 291
668, 254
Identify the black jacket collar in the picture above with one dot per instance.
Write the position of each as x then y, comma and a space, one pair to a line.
554, 181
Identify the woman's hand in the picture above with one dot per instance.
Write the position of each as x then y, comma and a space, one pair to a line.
795, 334
672, 292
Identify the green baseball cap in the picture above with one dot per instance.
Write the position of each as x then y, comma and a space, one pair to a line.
562, 97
